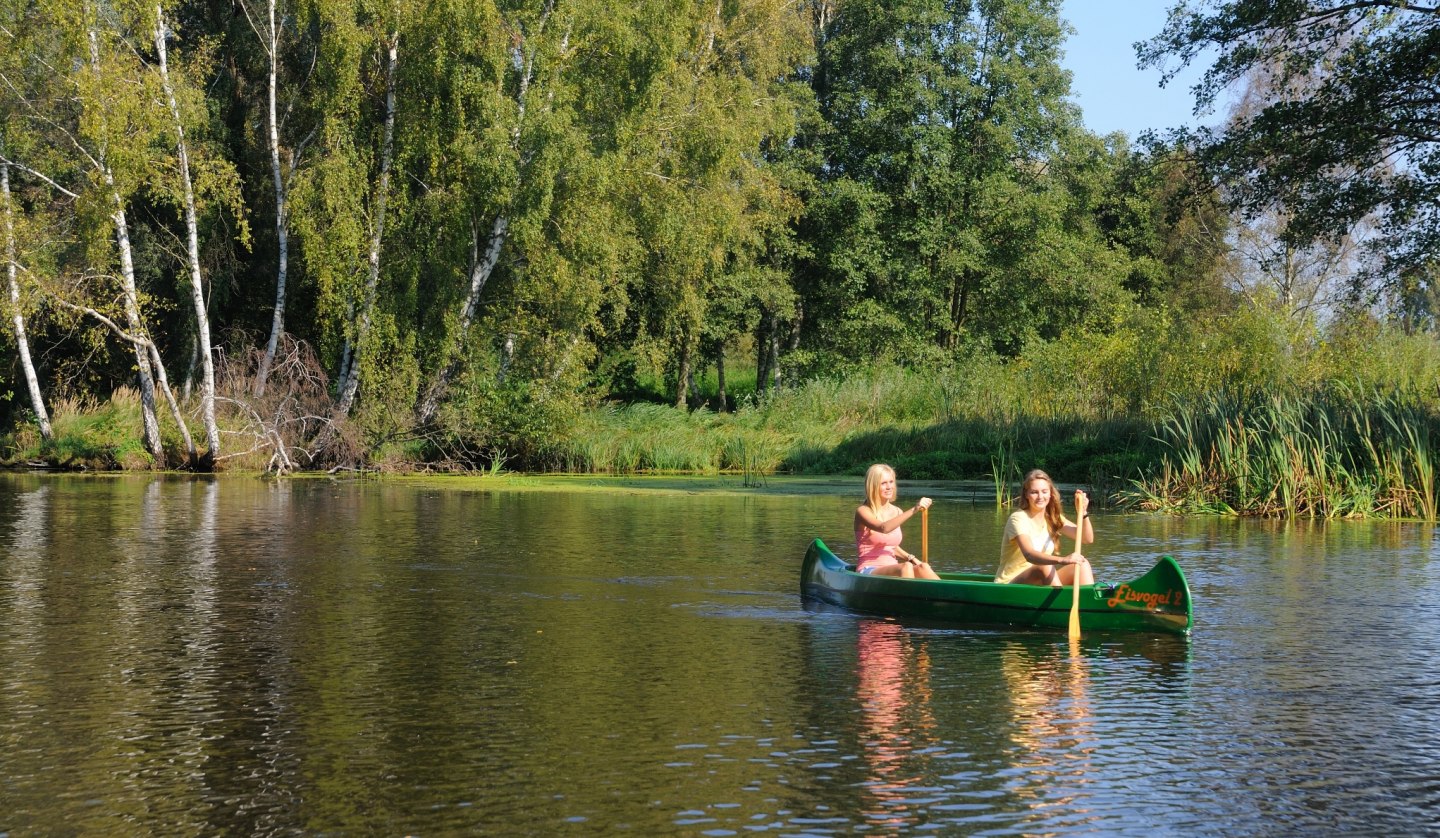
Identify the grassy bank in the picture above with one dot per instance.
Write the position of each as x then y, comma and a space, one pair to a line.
1248, 415
930, 426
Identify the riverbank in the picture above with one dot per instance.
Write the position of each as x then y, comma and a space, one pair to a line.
1328, 455
1200, 419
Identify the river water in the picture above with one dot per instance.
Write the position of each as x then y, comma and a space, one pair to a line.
588, 656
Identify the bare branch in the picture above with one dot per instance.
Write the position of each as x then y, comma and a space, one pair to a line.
29, 171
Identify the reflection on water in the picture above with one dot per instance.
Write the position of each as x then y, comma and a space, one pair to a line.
1051, 726
228, 656
893, 688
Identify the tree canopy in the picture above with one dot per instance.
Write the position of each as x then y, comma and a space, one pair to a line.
1351, 128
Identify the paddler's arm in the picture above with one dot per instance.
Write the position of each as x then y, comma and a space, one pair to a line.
866, 515
1034, 556
1082, 508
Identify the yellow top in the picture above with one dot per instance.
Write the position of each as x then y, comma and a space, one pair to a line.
1012, 561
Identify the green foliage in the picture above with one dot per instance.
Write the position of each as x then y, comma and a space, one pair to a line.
889, 208
707, 210
957, 204
1078, 408
485, 419
387, 391
1348, 131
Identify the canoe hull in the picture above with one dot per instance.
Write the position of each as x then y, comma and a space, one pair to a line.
1158, 601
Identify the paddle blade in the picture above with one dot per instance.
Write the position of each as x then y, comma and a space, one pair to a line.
1075, 610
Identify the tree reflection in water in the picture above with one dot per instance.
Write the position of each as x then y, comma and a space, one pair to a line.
894, 692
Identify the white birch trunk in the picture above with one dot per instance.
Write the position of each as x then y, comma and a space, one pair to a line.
271, 37
163, 383
189, 384
350, 384
480, 271
507, 355
17, 315
148, 417
192, 244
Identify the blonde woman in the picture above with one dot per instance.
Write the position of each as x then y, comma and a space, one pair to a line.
877, 530
1028, 554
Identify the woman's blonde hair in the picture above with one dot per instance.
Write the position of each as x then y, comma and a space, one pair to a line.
873, 476
1054, 518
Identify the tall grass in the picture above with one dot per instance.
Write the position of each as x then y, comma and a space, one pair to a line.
1337, 453
947, 425
1232, 415
87, 434
1004, 472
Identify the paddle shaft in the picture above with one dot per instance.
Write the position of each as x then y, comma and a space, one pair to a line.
925, 535
1075, 588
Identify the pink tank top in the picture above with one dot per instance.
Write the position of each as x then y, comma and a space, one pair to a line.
876, 548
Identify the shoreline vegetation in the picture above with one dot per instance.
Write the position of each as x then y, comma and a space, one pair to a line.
1336, 424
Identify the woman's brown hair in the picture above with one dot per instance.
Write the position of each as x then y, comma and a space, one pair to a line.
1054, 520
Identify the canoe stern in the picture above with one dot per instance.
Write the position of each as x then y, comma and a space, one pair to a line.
1162, 595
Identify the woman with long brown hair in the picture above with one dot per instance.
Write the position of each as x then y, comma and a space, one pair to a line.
1029, 554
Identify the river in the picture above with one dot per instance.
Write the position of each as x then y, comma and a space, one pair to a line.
591, 656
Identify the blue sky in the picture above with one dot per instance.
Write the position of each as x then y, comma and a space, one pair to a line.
1113, 94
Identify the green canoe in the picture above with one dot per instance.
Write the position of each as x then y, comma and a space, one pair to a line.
1157, 601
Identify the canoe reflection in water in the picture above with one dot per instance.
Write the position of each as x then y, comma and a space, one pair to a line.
894, 691
1052, 727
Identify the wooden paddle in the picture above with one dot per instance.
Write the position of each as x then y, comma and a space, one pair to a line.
925, 535
1075, 590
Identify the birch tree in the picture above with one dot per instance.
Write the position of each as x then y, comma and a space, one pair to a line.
362, 308
515, 151
365, 305
707, 205
98, 97
340, 204
535, 47
268, 28
17, 312
97, 107
192, 239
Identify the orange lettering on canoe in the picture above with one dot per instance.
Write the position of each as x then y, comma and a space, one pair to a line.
1126, 594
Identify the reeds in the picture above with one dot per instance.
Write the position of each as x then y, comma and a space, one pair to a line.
1337, 453
1004, 470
